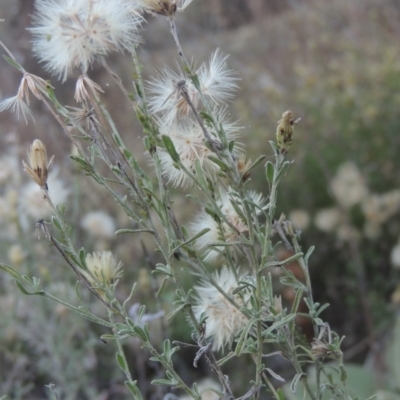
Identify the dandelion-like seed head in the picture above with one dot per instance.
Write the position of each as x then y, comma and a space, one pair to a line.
224, 320
103, 268
217, 84
230, 230
38, 168
189, 143
74, 33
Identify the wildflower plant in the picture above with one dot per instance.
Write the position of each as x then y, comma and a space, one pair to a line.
234, 312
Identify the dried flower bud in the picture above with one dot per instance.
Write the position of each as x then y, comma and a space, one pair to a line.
319, 349
243, 167
164, 7
284, 131
84, 85
38, 168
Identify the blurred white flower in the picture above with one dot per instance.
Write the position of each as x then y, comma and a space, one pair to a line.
347, 233
217, 83
224, 320
188, 140
372, 230
16, 255
9, 169
98, 224
348, 186
32, 202
378, 208
74, 33
300, 219
327, 219
228, 234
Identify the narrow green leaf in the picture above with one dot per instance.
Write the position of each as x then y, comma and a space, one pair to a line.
13, 63
141, 333
195, 237
57, 224
132, 386
24, 291
199, 172
296, 301
174, 312
10, 270
280, 393
211, 212
123, 231
243, 336
165, 382
164, 269
107, 337
269, 171
343, 373
309, 252
278, 324
224, 167
121, 362
295, 382
82, 258
255, 163
169, 146
167, 346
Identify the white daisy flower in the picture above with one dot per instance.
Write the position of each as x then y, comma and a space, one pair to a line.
224, 320
217, 83
74, 33
230, 232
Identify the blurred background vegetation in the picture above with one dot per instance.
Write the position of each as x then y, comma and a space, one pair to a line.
335, 64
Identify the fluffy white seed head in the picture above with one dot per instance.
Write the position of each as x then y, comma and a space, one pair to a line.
224, 320
217, 83
103, 267
188, 140
74, 33
230, 231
